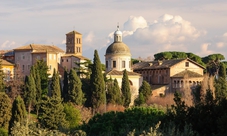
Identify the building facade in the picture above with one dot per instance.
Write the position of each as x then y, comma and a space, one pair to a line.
168, 76
118, 58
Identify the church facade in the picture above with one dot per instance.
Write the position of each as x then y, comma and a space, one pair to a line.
118, 58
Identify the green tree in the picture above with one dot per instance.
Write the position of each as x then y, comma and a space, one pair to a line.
5, 110
30, 93
65, 86
52, 114
145, 89
34, 72
140, 100
222, 70
220, 88
125, 89
2, 86
42, 71
72, 115
83, 69
97, 83
75, 93
113, 95
18, 112
55, 85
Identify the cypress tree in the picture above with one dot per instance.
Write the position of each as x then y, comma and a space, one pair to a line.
145, 89
5, 110
35, 74
52, 114
55, 85
97, 83
75, 88
30, 92
42, 68
2, 86
125, 88
65, 86
114, 93
18, 112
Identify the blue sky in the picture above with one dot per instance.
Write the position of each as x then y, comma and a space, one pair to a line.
148, 26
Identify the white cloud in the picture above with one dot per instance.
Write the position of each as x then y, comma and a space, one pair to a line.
220, 44
89, 37
7, 44
134, 23
63, 41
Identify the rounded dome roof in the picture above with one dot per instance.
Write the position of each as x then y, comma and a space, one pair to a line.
118, 48
118, 32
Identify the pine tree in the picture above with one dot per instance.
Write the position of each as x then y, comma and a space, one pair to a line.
97, 83
145, 89
125, 88
42, 71
55, 85
65, 86
2, 86
76, 95
52, 114
18, 112
5, 110
113, 93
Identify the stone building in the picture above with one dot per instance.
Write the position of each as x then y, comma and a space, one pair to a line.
73, 53
118, 58
26, 56
170, 75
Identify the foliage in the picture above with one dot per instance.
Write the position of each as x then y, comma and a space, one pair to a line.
2, 86
140, 100
32, 129
125, 89
222, 70
55, 85
42, 70
83, 69
113, 95
220, 88
86, 88
3, 132
145, 89
121, 123
5, 110
52, 114
65, 86
72, 115
97, 83
30, 92
75, 93
18, 112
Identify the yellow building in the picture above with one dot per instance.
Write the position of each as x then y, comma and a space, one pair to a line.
8, 69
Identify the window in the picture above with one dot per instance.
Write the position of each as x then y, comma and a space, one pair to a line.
106, 64
54, 57
129, 64
123, 64
62, 60
67, 60
50, 67
28, 67
186, 64
50, 56
114, 64
23, 57
23, 67
38, 57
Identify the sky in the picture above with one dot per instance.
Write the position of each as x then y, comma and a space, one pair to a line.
148, 26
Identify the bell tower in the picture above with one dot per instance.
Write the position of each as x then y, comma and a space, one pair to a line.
74, 43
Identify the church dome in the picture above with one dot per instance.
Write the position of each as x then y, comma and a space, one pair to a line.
118, 48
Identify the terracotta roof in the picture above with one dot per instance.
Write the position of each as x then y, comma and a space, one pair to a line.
40, 48
188, 73
6, 63
74, 32
161, 64
74, 55
115, 72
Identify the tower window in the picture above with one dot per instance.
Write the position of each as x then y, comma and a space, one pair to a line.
123, 64
106, 64
129, 64
114, 64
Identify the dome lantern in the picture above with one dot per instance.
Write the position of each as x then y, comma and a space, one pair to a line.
118, 35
